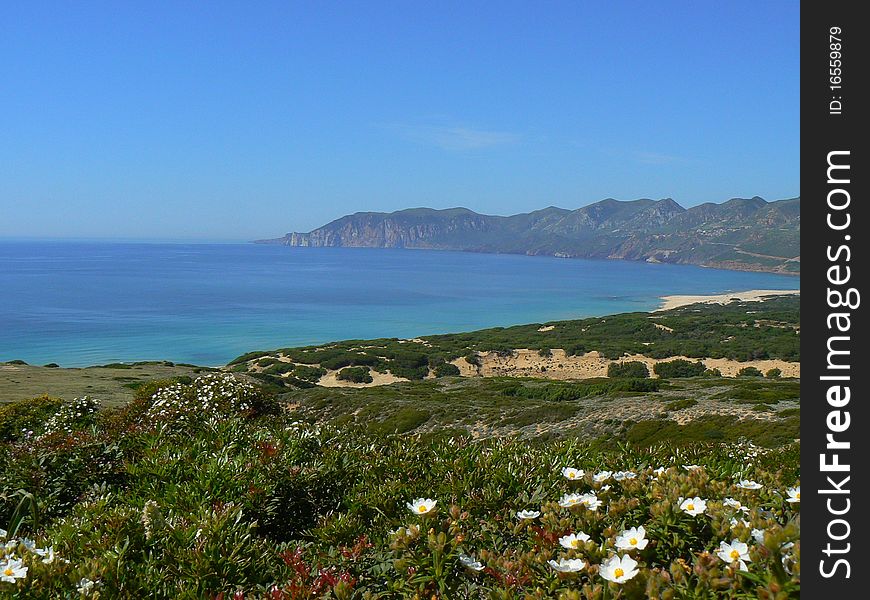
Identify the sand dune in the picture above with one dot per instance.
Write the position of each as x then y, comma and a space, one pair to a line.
529, 363
669, 302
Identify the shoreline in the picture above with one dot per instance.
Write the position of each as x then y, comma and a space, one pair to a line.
676, 301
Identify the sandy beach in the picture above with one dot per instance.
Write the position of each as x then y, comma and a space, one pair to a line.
669, 302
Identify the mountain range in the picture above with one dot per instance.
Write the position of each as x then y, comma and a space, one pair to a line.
742, 233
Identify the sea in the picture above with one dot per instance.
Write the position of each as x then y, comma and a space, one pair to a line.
88, 303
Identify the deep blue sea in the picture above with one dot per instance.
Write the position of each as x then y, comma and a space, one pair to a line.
82, 303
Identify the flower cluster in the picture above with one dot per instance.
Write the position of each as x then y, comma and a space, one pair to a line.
210, 395
71, 416
620, 555
17, 554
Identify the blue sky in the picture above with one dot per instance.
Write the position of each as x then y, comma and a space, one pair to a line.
239, 120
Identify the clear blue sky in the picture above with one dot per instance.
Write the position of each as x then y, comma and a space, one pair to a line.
239, 120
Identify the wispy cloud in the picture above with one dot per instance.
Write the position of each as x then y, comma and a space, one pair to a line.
454, 137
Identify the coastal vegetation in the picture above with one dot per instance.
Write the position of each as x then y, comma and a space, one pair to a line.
738, 331
215, 488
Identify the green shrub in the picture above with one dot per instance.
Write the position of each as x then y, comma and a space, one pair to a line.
248, 356
773, 373
749, 372
309, 373
473, 359
676, 405
280, 368
17, 419
631, 368
564, 391
447, 370
679, 367
402, 421
355, 375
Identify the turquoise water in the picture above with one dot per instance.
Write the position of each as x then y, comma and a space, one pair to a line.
77, 303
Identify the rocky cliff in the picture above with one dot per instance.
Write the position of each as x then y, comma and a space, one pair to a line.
742, 233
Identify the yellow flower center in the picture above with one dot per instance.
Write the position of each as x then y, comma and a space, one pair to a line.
735, 554
690, 507
618, 572
575, 543
422, 508
8, 572
633, 541
798, 495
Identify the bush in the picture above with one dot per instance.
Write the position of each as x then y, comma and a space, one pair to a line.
308, 373
402, 421
279, 368
447, 370
633, 368
676, 405
355, 375
17, 419
247, 357
545, 353
773, 373
749, 372
562, 392
679, 368
473, 359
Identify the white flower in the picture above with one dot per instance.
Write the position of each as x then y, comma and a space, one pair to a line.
691, 467
758, 535
567, 565
630, 539
590, 501
569, 500
470, 563
619, 569
605, 487
736, 551
748, 484
528, 514
573, 541
659, 471
694, 506
47, 554
3, 533
794, 494
602, 476
620, 475
573, 474
422, 506
736, 504
86, 586
12, 570
28, 544
734, 522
